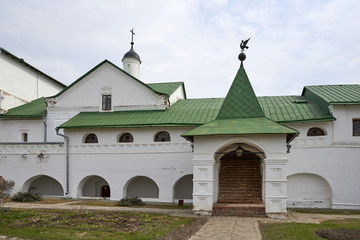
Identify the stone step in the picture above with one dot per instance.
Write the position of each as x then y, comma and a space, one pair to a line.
239, 210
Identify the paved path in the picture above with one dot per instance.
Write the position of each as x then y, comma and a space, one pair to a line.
229, 228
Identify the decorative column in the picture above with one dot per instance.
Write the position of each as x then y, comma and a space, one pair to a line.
275, 187
204, 187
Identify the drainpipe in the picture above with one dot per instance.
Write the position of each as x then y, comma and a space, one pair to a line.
45, 128
288, 146
44, 120
67, 158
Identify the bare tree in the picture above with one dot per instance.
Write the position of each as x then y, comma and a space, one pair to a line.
6, 186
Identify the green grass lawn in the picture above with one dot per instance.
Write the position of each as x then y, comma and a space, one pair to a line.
301, 231
83, 224
104, 203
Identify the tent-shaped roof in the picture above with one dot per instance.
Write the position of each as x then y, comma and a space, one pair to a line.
240, 113
241, 101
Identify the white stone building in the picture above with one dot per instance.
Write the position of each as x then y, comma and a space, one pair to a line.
21, 83
117, 136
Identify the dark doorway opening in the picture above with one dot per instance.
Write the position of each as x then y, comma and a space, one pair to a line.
105, 191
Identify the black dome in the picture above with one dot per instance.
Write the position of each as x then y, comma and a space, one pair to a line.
132, 54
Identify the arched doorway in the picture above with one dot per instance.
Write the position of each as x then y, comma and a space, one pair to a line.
240, 177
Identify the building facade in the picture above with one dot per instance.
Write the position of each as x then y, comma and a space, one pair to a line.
109, 135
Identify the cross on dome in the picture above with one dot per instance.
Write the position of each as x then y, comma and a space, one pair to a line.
132, 36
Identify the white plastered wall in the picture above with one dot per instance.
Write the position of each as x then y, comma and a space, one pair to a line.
13, 129
22, 83
333, 157
178, 94
117, 163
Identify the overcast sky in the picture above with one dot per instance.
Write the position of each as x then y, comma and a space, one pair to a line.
293, 43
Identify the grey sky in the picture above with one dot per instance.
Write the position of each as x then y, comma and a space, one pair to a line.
293, 43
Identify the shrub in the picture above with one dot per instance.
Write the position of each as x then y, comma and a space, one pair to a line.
26, 197
6, 187
130, 201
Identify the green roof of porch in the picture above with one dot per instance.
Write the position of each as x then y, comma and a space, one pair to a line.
240, 126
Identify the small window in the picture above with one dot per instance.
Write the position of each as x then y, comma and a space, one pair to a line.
162, 137
106, 102
315, 132
24, 137
91, 138
126, 137
356, 127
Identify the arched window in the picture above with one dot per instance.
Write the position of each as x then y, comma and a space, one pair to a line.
162, 137
126, 137
91, 138
315, 132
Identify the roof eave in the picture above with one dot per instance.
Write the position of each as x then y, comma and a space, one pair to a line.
308, 120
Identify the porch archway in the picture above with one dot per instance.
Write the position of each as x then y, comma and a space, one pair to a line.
240, 174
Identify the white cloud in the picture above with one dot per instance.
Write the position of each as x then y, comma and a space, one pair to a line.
293, 43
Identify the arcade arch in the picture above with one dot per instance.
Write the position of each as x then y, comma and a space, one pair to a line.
142, 187
43, 185
94, 186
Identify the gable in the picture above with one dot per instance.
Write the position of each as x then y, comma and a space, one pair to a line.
107, 79
21, 83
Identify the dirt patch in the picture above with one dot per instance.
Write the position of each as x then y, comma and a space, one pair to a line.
186, 231
339, 234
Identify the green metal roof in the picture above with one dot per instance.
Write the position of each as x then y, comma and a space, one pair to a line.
193, 112
184, 112
33, 109
283, 109
334, 94
241, 101
113, 119
167, 88
240, 126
